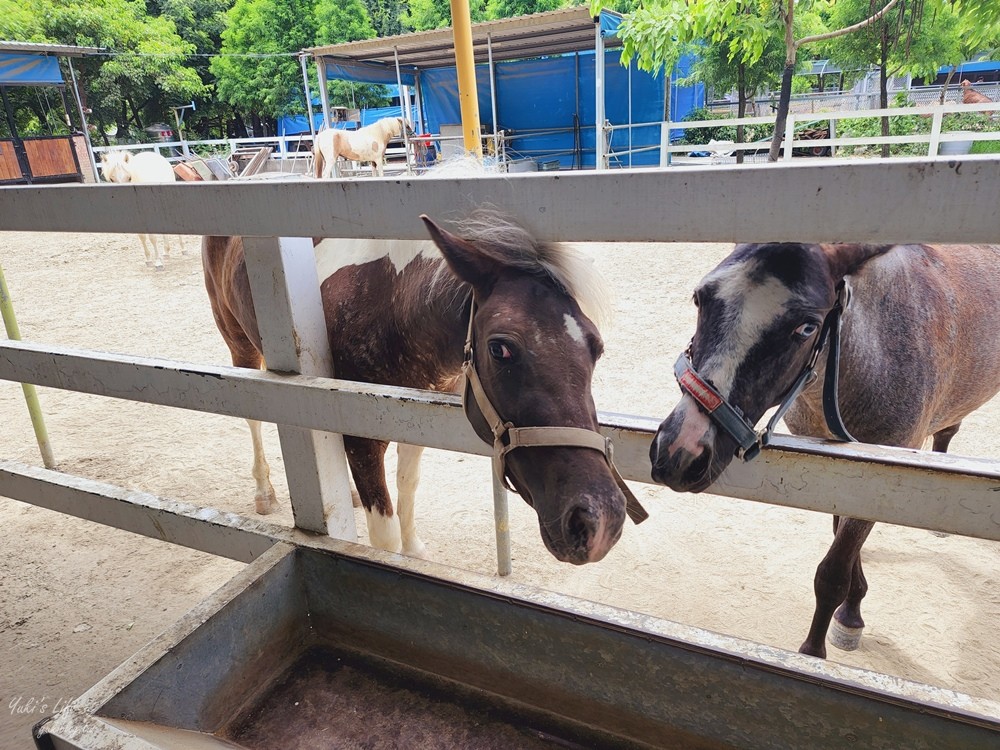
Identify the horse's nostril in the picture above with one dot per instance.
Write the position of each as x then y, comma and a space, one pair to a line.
580, 527
698, 468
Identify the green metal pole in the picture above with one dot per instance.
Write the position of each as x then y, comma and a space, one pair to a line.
30, 395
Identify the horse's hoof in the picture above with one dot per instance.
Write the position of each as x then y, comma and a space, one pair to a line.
266, 505
159, 267
149, 264
416, 548
843, 637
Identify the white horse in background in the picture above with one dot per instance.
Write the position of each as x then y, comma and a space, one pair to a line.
366, 144
147, 167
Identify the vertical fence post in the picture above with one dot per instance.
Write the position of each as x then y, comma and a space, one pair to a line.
502, 520
285, 289
30, 394
936, 119
789, 136
664, 143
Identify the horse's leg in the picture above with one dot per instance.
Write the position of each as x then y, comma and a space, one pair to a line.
151, 251
166, 246
942, 438
407, 478
265, 500
367, 460
833, 583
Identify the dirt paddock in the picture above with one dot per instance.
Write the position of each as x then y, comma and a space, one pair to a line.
77, 598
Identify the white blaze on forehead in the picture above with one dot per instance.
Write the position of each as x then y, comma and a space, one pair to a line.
573, 329
750, 308
334, 254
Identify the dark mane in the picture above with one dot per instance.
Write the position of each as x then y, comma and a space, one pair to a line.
502, 239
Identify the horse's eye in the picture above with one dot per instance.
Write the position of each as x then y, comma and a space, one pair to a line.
500, 351
806, 330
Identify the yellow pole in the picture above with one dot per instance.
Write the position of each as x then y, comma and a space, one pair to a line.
30, 395
468, 97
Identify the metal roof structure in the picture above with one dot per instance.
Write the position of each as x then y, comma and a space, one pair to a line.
550, 33
37, 48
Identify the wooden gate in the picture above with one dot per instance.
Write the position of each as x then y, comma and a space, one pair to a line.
43, 159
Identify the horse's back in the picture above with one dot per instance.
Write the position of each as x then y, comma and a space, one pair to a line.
920, 344
148, 166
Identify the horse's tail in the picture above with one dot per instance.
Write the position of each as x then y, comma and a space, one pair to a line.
318, 161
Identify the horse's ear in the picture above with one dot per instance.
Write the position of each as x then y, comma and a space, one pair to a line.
467, 261
845, 259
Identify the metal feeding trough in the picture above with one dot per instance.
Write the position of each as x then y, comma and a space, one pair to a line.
330, 645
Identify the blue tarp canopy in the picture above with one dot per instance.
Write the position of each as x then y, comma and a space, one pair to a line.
20, 69
36, 64
980, 66
544, 72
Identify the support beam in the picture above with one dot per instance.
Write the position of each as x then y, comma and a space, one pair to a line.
286, 299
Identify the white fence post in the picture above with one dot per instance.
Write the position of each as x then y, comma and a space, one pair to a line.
789, 136
665, 144
937, 119
286, 298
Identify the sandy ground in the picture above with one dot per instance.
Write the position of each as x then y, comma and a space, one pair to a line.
77, 598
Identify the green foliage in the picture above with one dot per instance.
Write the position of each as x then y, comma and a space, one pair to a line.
511, 8
147, 71
422, 15
721, 132
867, 127
257, 85
342, 21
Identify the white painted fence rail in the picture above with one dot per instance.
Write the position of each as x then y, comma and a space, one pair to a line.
884, 202
849, 201
901, 201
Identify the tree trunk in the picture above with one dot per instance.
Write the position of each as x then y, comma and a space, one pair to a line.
784, 99
947, 82
883, 85
258, 125
741, 108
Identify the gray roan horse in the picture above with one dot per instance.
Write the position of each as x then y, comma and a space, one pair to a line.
398, 312
918, 354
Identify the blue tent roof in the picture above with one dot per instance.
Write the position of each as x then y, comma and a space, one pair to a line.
18, 69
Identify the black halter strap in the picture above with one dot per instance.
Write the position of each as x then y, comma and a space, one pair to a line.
731, 419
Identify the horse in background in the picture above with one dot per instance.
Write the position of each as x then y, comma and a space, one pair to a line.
919, 352
417, 314
366, 144
143, 167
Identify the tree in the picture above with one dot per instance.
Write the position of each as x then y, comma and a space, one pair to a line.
200, 22
736, 40
716, 67
259, 74
792, 45
342, 21
422, 15
146, 68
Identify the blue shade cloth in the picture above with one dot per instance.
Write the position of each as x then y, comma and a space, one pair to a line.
298, 124
546, 103
18, 69
368, 72
972, 67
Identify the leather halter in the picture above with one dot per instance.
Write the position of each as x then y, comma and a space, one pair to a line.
505, 437
731, 419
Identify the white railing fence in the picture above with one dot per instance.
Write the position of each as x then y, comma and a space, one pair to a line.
756, 150
808, 201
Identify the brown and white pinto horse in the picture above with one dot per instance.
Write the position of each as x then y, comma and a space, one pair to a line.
919, 352
397, 312
365, 144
